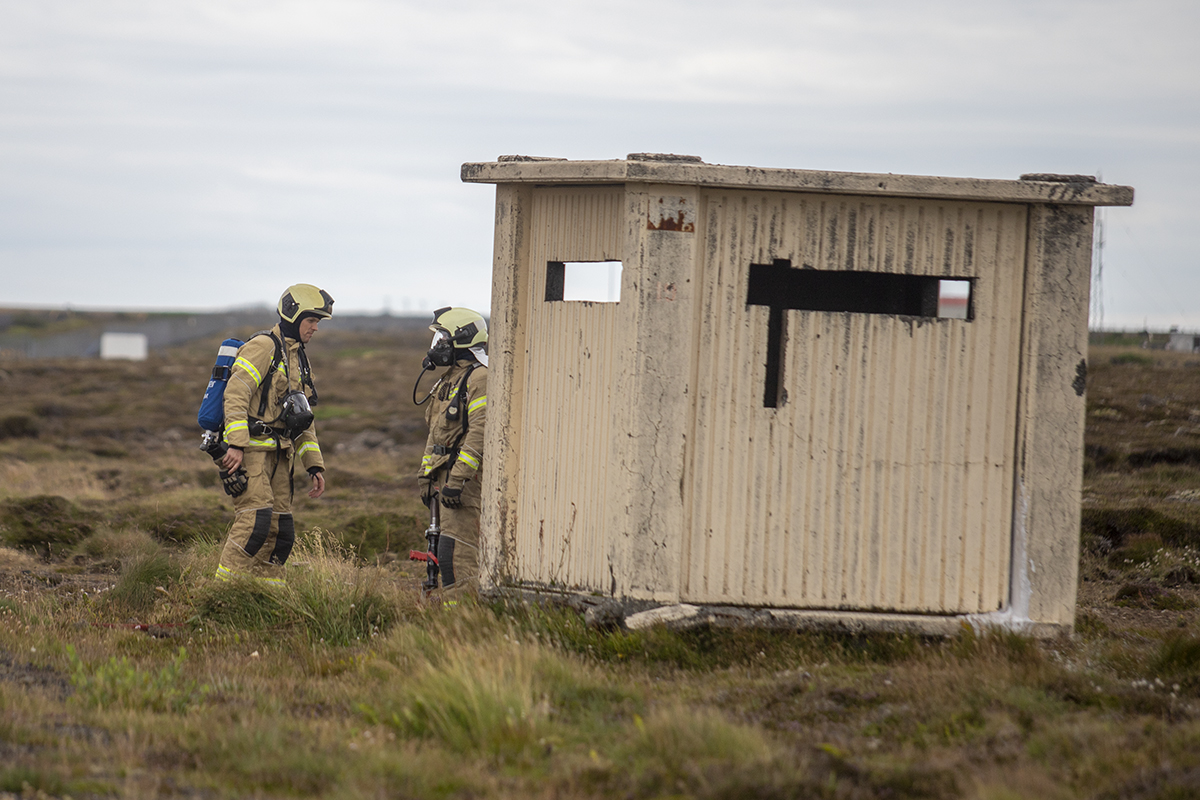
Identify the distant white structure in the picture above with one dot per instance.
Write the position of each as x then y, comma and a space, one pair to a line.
131, 346
1183, 342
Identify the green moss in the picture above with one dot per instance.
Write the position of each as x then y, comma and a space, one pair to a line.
1170, 601
1107, 528
1178, 659
1138, 359
199, 519
119, 683
325, 412
27, 782
1139, 549
388, 531
48, 524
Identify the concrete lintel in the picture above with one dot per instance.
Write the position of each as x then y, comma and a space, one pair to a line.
1034, 188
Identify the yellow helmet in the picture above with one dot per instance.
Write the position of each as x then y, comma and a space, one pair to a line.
304, 298
467, 328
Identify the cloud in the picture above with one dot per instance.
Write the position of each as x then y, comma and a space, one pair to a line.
156, 141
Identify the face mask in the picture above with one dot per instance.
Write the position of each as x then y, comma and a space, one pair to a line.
297, 414
441, 351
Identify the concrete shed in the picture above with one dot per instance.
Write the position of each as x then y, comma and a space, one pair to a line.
818, 398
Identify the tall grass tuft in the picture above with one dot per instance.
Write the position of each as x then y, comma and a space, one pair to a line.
140, 581
109, 543
327, 597
677, 747
1178, 659
679, 734
336, 601
242, 604
478, 701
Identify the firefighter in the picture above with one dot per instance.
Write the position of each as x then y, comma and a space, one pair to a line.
454, 450
268, 425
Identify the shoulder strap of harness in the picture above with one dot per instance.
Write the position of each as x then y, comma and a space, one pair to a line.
459, 399
275, 362
452, 411
306, 377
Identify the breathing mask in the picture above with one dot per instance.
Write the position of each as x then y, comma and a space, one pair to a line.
441, 351
297, 414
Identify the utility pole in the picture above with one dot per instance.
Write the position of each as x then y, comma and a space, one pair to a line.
1097, 310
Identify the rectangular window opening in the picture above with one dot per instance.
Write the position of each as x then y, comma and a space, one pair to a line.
780, 287
583, 281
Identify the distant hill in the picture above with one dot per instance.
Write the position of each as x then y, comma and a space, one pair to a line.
59, 333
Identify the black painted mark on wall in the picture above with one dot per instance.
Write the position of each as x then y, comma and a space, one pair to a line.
1080, 382
780, 287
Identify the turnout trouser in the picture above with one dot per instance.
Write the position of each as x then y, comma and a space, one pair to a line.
458, 548
263, 532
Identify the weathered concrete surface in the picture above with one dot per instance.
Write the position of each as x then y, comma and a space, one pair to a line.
656, 455
506, 362
1049, 475
646, 168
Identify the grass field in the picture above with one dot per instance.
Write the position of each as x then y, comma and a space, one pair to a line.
127, 671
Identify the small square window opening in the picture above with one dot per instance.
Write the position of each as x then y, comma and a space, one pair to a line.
586, 281
954, 299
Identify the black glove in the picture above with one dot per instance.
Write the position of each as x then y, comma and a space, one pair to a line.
451, 496
234, 483
428, 490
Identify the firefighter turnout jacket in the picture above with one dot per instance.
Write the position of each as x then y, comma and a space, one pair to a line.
456, 438
254, 371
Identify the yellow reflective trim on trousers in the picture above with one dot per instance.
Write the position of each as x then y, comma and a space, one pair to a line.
224, 573
476, 404
304, 448
468, 459
246, 365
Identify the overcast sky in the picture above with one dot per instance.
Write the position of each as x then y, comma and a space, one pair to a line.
207, 153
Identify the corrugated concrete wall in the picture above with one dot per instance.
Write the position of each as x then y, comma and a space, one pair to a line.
573, 351
884, 479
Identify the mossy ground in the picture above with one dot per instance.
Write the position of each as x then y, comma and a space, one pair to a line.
127, 670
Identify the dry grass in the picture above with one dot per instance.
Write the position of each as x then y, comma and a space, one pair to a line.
127, 670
